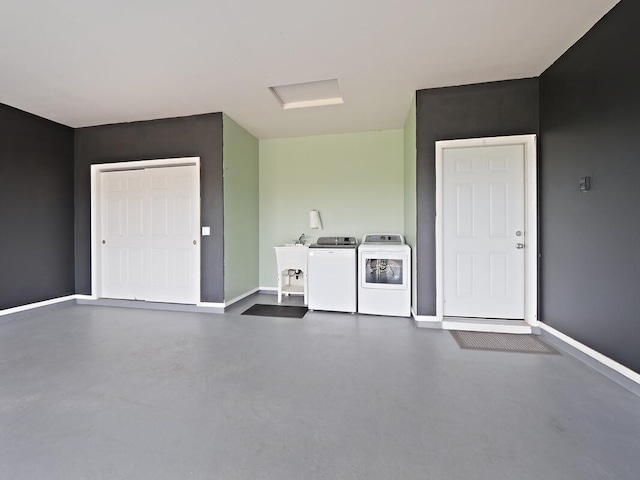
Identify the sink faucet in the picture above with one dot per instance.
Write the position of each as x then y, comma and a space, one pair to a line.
300, 240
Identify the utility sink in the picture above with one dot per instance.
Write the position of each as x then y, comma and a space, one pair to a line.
291, 257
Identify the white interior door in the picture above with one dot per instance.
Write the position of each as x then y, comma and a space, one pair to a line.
483, 232
123, 234
150, 234
174, 223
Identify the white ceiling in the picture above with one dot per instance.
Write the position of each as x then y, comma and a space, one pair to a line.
94, 62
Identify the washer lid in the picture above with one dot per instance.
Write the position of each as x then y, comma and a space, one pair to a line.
333, 242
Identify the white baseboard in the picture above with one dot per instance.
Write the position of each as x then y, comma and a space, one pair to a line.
240, 297
30, 306
85, 297
425, 321
210, 304
53, 301
603, 359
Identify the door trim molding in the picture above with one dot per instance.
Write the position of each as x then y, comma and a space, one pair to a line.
530, 215
96, 170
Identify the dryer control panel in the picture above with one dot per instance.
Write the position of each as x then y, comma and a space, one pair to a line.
383, 239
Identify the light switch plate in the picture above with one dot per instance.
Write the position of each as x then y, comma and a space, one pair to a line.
206, 231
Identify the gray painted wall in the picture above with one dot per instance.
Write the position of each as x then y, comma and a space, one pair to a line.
195, 136
470, 111
36, 208
590, 123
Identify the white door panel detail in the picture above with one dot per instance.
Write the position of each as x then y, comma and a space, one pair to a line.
498, 273
464, 274
464, 210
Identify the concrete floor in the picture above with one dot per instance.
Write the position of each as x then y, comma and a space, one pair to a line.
110, 393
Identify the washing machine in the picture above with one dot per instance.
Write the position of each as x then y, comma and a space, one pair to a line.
384, 275
332, 277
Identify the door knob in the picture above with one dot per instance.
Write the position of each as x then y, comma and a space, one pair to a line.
519, 246
518, 233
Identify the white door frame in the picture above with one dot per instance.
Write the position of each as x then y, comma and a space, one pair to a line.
96, 170
530, 239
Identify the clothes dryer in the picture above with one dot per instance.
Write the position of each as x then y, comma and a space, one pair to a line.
384, 275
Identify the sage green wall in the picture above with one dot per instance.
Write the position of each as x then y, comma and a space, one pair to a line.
241, 261
410, 192
355, 180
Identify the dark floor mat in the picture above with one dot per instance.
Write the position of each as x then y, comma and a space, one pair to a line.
501, 342
288, 311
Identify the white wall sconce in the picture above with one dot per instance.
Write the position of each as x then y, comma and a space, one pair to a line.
314, 220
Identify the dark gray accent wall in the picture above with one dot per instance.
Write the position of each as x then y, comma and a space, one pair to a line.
36, 208
590, 123
195, 136
469, 111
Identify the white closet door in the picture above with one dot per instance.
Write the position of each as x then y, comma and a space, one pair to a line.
483, 231
124, 198
173, 254
150, 234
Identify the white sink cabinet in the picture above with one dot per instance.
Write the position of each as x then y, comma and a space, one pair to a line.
291, 257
